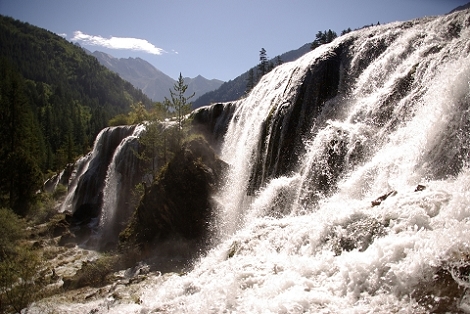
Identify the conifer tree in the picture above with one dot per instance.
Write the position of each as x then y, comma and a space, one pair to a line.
263, 63
179, 104
322, 38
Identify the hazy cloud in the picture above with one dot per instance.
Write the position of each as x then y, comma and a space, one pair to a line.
117, 43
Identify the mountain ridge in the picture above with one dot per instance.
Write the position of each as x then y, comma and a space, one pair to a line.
153, 82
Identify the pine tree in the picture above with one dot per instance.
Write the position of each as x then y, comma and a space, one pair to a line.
179, 104
263, 63
322, 38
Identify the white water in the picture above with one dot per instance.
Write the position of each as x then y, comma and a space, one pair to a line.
81, 166
113, 180
292, 261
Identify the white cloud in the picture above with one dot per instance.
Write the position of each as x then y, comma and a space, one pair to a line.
64, 35
117, 43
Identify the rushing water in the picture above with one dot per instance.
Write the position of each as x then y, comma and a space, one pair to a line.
306, 238
119, 184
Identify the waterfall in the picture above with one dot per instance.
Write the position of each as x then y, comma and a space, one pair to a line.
86, 187
303, 236
116, 208
348, 188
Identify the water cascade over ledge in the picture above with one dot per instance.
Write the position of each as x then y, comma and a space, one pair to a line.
383, 111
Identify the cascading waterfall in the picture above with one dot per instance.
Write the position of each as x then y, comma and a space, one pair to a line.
124, 162
380, 111
94, 185
308, 240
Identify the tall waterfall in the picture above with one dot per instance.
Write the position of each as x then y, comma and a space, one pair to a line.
97, 195
382, 113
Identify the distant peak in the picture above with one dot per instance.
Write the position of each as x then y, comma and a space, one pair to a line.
96, 52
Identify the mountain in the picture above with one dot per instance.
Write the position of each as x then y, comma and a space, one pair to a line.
235, 89
153, 82
200, 85
461, 8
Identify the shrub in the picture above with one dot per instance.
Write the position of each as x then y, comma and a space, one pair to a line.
19, 283
12, 229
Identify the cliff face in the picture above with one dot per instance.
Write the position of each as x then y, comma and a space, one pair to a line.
178, 204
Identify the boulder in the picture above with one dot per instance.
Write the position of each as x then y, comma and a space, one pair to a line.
178, 204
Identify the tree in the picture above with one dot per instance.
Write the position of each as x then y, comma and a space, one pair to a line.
322, 38
263, 62
278, 60
179, 104
345, 31
22, 147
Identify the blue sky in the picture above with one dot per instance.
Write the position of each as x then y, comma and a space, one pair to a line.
213, 38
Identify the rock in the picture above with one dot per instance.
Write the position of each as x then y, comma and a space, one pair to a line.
382, 198
178, 204
358, 232
445, 290
67, 239
420, 188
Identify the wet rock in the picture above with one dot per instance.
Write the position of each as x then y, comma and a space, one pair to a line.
446, 290
67, 239
178, 204
382, 198
358, 232
420, 187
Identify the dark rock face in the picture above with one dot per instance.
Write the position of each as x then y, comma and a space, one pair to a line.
88, 197
178, 204
288, 125
213, 121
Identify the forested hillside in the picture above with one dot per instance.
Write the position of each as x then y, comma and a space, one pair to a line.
54, 99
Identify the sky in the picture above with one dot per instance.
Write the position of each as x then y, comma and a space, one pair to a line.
218, 39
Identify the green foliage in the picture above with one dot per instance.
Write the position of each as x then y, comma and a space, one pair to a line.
345, 31
71, 96
45, 206
19, 283
263, 63
120, 119
179, 105
19, 265
250, 81
12, 229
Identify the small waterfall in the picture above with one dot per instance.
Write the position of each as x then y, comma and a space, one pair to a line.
117, 207
85, 189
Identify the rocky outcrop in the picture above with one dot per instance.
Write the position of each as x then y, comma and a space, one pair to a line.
213, 121
178, 204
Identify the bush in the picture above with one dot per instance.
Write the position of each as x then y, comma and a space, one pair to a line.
12, 229
59, 191
120, 119
19, 283
43, 210
94, 273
